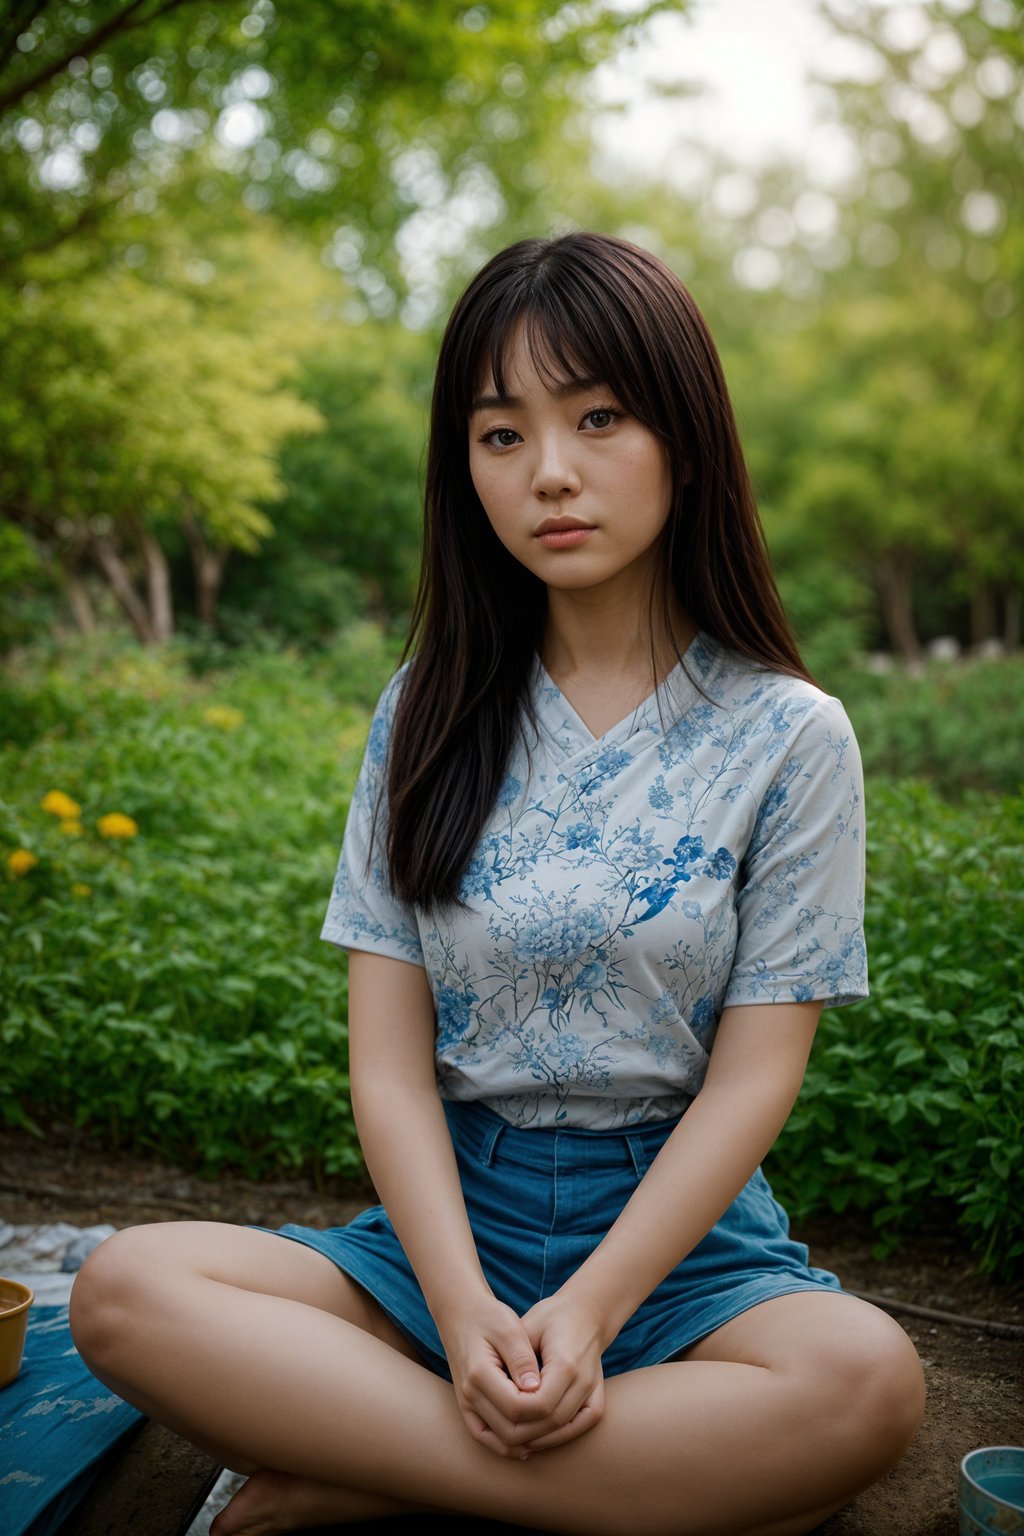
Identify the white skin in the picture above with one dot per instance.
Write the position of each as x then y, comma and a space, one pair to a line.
261, 1351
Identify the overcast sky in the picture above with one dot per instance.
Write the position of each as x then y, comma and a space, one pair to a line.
752, 58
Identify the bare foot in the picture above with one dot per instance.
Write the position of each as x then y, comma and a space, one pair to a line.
272, 1502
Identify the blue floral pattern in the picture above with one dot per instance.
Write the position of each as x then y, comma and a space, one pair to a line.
708, 851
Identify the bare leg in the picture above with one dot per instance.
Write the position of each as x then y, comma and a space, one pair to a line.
763, 1428
297, 1271
776, 1336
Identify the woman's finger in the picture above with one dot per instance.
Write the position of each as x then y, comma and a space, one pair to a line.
491, 1393
525, 1427
590, 1414
513, 1416
563, 1391
486, 1436
519, 1360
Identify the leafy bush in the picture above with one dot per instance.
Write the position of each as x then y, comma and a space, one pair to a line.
960, 726
168, 989
917, 1093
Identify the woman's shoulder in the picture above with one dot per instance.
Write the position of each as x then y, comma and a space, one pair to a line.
738, 680
776, 705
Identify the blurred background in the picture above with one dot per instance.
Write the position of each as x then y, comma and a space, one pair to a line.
229, 236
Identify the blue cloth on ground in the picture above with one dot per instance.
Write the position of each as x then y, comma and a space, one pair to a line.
57, 1422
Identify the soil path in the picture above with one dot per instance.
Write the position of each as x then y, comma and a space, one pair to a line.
975, 1377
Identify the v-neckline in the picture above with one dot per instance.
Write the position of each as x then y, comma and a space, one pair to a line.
563, 721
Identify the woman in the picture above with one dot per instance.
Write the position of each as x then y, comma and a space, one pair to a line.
605, 822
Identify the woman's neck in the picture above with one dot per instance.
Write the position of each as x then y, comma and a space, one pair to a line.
591, 636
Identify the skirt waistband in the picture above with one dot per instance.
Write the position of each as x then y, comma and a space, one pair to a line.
478, 1132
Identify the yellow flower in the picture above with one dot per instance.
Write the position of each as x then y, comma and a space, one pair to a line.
224, 716
117, 825
59, 804
20, 862
78, 889
72, 827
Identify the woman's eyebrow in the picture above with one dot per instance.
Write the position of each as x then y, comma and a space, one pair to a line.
514, 402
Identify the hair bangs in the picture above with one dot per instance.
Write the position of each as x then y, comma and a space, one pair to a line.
569, 336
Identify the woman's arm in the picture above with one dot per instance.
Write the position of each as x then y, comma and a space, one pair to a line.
756, 1069
408, 1151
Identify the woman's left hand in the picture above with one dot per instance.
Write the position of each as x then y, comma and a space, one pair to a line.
567, 1342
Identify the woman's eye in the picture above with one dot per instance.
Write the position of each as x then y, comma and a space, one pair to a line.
601, 418
501, 437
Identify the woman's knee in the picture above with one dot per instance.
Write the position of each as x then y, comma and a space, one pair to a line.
875, 1384
116, 1285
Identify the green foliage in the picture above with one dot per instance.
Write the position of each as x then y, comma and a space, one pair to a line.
290, 593
959, 726
26, 586
355, 115
145, 416
96, 373
353, 496
905, 454
917, 1093
871, 325
168, 990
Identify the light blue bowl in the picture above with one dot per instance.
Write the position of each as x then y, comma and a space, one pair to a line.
991, 1492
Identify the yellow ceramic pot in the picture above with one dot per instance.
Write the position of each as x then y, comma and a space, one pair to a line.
15, 1300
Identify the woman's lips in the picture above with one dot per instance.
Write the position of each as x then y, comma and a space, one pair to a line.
563, 538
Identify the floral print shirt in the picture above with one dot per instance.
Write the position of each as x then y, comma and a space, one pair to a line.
625, 889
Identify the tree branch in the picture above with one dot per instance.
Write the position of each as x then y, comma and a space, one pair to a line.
85, 46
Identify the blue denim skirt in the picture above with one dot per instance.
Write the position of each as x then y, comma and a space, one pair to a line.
539, 1202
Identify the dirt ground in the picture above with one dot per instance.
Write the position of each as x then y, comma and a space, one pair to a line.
975, 1376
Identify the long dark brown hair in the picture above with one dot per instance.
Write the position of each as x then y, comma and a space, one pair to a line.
589, 307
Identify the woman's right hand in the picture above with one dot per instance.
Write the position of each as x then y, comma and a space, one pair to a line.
495, 1374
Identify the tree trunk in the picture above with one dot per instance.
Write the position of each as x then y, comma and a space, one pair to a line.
893, 577
983, 614
158, 587
119, 577
79, 602
208, 569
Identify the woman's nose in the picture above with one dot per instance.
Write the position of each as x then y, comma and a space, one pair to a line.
555, 471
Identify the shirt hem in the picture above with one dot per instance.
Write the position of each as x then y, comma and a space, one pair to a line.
344, 940
829, 999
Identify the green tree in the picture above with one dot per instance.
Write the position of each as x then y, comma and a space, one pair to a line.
141, 144
349, 116
137, 415
871, 327
938, 223
354, 491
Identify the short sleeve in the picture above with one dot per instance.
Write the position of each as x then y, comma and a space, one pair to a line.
362, 913
800, 904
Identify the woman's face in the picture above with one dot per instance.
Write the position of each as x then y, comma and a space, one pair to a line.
575, 488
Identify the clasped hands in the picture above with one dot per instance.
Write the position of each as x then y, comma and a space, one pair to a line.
527, 1383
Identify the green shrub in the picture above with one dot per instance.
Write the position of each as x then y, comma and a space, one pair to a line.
917, 1093
960, 726
168, 990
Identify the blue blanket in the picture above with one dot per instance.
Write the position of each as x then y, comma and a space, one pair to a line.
57, 1422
